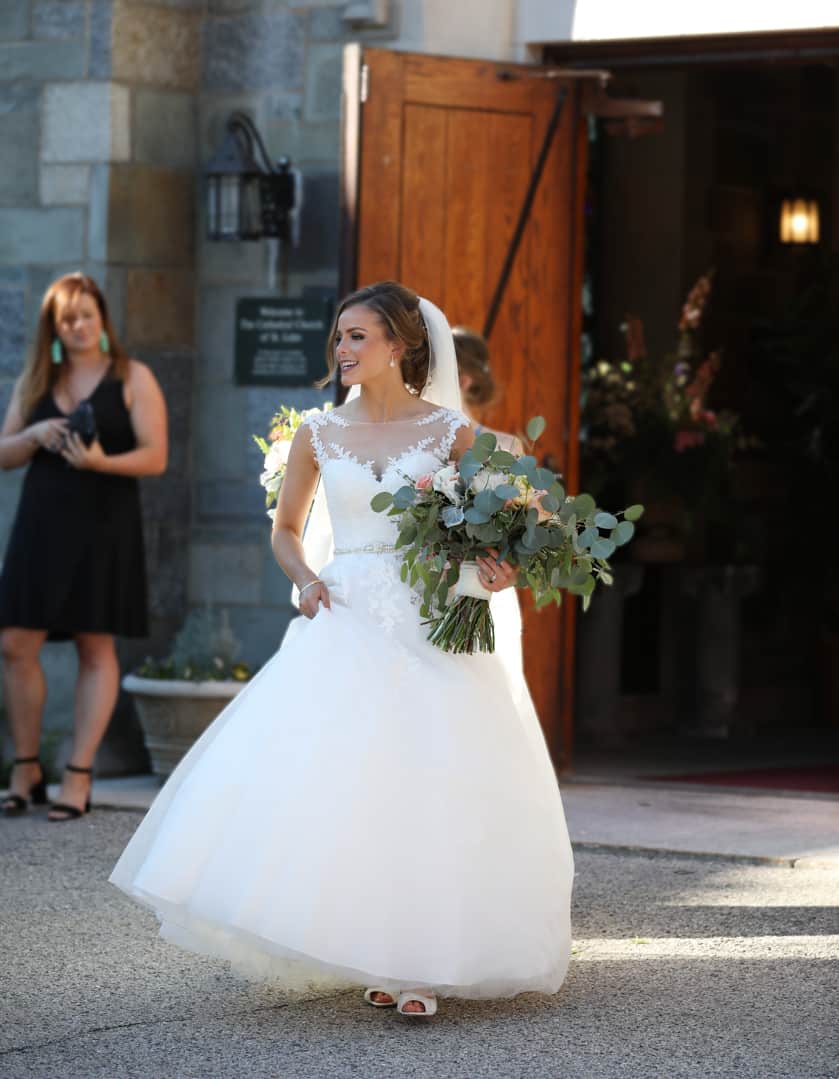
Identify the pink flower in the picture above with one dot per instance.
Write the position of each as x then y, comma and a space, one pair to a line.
424, 482
534, 501
687, 440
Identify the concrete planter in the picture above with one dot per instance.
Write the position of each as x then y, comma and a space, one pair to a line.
174, 714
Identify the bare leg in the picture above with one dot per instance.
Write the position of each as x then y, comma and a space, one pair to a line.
25, 690
96, 694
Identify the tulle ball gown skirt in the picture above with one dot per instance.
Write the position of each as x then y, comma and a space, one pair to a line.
369, 810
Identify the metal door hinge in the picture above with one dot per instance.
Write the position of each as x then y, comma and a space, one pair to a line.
364, 83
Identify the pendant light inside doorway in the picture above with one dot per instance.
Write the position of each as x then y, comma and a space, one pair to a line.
799, 221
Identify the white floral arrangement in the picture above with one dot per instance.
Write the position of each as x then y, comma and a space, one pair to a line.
276, 447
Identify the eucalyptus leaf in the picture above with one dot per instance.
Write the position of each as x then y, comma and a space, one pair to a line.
603, 548
623, 533
468, 469
502, 459
584, 505
523, 465
507, 490
632, 513
544, 479
483, 446
605, 520
381, 501
403, 498
588, 537
535, 427
488, 502
557, 490
550, 503
474, 516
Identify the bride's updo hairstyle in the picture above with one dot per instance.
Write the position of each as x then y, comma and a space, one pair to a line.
398, 310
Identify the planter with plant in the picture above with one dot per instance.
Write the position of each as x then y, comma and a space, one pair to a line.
179, 696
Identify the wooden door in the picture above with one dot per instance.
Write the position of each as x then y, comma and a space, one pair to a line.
447, 148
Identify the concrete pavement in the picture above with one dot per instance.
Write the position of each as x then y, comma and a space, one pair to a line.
683, 967
639, 815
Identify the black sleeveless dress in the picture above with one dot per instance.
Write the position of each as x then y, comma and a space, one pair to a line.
76, 560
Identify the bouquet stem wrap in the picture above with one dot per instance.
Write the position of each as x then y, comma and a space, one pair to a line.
466, 624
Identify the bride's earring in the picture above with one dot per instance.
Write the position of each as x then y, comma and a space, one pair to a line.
392, 360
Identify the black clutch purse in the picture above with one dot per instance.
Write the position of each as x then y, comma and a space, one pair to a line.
82, 422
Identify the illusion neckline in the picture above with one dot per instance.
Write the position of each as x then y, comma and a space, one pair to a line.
424, 417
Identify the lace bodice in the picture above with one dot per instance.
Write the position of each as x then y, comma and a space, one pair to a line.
357, 460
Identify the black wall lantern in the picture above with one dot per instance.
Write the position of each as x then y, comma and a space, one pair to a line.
249, 199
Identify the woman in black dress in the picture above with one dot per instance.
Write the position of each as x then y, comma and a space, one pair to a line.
87, 421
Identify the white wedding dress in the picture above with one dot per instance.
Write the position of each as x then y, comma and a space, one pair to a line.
369, 810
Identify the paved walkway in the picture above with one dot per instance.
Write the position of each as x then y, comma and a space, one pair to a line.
683, 968
641, 815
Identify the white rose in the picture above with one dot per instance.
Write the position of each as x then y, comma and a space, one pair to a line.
488, 481
271, 481
277, 457
447, 482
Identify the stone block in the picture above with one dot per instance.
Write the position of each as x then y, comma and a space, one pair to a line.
319, 225
323, 82
224, 574
14, 20
222, 437
58, 19
86, 122
19, 135
276, 587
164, 129
159, 308
42, 236
64, 185
223, 262
156, 46
254, 51
327, 24
42, 60
150, 216
97, 219
231, 499
215, 335
12, 331
304, 142
99, 63
260, 630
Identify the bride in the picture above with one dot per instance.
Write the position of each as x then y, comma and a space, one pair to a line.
369, 810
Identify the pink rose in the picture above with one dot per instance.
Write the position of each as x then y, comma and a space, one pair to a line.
686, 440
534, 501
424, 482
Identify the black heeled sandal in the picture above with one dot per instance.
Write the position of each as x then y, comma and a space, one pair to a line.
71, 812
15, 804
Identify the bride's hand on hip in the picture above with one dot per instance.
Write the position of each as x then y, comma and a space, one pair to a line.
495, 576
311, 596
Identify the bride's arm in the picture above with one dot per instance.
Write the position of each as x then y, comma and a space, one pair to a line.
296, 496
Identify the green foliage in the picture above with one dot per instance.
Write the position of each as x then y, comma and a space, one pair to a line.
204, 650
494, 500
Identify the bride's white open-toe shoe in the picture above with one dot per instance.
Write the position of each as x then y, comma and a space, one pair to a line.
426, 997
377, 989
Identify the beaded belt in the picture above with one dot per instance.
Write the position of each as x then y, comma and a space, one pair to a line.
368, 548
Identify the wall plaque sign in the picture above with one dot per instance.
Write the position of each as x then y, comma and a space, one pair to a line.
281, 342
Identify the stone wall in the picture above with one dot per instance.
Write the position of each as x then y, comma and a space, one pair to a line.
107, 110
97, 172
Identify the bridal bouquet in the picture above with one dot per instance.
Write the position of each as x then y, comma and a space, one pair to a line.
276, 448
491, 498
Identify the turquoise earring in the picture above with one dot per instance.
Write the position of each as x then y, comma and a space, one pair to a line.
104, 343
55, 351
